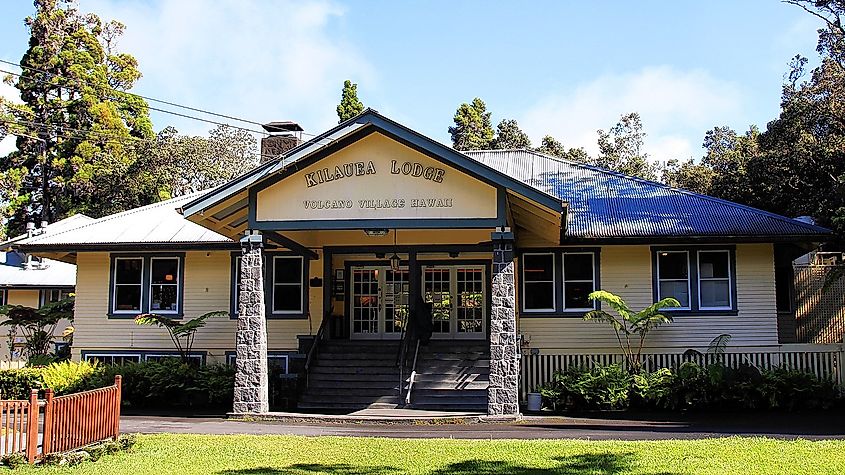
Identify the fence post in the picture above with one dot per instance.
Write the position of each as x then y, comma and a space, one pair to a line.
32, 427
47, 441
118, 379
840, 365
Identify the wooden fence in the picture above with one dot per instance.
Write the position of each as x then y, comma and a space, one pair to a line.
824, 361
59, 424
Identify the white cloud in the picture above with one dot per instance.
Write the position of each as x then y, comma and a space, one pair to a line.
257, 60
676, 107
7, 145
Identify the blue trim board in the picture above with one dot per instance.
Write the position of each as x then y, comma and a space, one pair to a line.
145, 283
692, 257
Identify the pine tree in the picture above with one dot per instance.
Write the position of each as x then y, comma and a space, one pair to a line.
349, 105
473, 128
77, 129
510, 136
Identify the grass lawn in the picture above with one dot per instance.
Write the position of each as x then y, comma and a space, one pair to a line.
247, 455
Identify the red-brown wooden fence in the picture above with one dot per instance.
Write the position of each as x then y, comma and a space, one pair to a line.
68, 422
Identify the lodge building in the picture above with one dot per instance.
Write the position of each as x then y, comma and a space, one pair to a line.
323, 255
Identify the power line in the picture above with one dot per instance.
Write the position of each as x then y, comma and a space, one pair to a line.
148, 98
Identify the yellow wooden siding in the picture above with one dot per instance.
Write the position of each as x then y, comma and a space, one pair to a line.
25, 297
626, 271
207, 288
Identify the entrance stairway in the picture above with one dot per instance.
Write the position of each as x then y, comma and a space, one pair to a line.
351, 375
452, 375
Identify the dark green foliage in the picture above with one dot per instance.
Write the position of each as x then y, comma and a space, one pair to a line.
473, 129
36, 326
509, 136
14, 460
349, 105
690, 387
18, 383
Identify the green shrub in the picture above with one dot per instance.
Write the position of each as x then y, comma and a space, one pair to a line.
40, 360
18, 383
691, 387
69, 377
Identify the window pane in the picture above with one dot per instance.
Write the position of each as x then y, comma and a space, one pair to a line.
287, 298
538, 267
715, 293
127, 297
164, 297
165, 271
677, 289
539, 295
287, 270
128, 271
713, 264
578, 266
575, 295
673, 265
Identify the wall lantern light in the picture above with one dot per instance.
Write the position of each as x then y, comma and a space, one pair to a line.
375, 232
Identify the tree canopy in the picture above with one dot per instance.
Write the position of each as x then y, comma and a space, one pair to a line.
473, 129
510, 136
350, 105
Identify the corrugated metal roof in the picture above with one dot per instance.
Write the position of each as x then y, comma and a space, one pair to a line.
606, 204
47, 273
152, 224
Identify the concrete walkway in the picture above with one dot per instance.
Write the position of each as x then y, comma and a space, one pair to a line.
642, 427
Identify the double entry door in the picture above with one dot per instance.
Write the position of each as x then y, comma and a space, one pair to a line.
380, 296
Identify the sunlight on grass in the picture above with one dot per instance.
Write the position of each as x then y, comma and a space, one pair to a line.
249, 455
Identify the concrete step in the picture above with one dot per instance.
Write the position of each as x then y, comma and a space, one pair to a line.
319, 392
450, 386
315, 399
337, 369
357, 362
348, 377
345, 406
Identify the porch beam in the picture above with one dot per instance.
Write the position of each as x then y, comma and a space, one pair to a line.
290, 244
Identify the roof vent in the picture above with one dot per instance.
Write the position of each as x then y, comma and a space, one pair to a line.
284, 135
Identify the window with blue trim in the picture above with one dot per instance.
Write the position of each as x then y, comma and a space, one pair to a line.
146, 284
701, 279
558, 282
287, 294
2, 297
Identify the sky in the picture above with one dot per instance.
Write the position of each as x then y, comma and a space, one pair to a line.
565, 68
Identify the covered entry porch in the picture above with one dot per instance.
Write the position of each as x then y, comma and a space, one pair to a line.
385, 221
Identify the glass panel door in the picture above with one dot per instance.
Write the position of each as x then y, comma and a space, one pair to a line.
470, 301
364, 303
395, 301
437, 290
457, 295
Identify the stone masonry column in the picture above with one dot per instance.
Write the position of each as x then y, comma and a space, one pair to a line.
503, 391
251, 388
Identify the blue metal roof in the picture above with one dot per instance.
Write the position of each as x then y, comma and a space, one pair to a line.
605, 205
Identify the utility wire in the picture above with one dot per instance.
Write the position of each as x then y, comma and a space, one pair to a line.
148, 98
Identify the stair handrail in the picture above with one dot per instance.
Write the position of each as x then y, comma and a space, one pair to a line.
413, 375
313, 351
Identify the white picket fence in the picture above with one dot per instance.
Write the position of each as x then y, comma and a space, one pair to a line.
824, 361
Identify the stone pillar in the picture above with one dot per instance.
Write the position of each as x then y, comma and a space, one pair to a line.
251, 388
503, 391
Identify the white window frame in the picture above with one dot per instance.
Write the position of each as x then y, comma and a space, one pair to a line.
301, 286
565, 280
140, 286
177, 284
700, 279
45, 297
112, 355
688, 279
553, 281
196, 356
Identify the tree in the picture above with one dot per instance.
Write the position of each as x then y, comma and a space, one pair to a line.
621, 148
510, 136
37, 326
77, 126
185, 164
473, 128
551, 146
630, 324
349, 105
181, 333
688, 175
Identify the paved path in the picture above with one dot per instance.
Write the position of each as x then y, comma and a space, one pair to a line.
789, 426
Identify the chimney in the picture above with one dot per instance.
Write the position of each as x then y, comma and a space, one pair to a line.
284, 135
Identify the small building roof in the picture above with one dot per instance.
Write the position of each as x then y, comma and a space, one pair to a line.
604, 204
43, 274
153, 226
